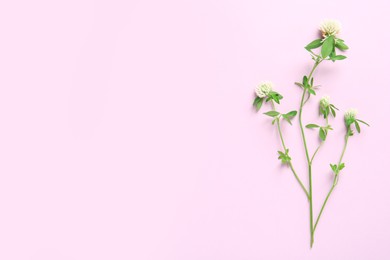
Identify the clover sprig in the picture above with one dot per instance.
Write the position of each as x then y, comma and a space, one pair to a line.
330, 44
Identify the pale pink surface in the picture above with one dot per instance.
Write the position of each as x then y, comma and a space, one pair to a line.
127, 131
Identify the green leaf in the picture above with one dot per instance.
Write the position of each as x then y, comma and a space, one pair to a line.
272, 113
328, 127
333, 167
327, 47
332, 55
258, 103
305, 82
287, 118
275, 96
333, 112
341, 166
325, 111
299, 84
350, 121
321, 110
357, 126
314, 44
291, 113
341, 45
339, 57
312, 126
361, 121
322, 134
284, 156
311, 91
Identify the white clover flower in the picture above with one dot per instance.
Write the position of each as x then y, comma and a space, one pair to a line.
350, 114
330, 27
325, 101
263, 89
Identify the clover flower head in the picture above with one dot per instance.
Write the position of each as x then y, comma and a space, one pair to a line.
325, 101
330, 27
350, 114
263, 89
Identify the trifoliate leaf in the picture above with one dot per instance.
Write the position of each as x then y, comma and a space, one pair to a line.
274, 96
288, 116
327, 47
312, 126
314, 44
284, 156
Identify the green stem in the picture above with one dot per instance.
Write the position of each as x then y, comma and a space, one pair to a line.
335, 181
345, 146
325, 201
301, 126
311, 208
314, 154
285, 150
307, 152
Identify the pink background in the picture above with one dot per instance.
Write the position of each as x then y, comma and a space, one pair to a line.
127, 132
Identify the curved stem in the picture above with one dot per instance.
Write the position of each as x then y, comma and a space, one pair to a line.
324, 204
314, 154
285, 150
335, 181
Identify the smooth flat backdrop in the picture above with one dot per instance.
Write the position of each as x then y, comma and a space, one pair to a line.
127, 132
